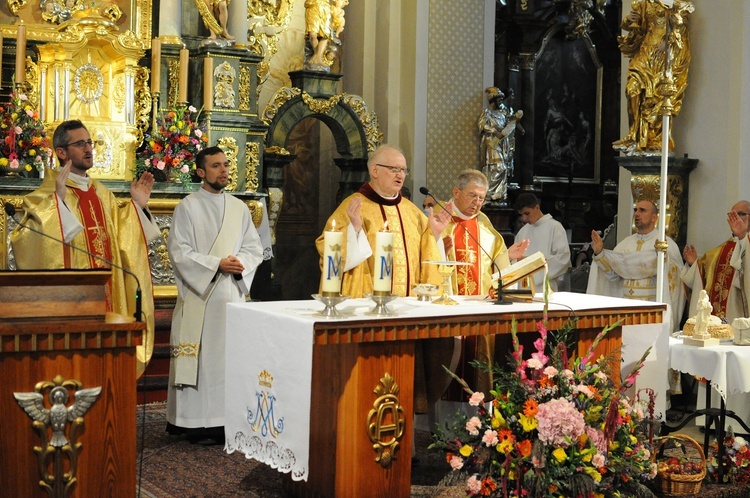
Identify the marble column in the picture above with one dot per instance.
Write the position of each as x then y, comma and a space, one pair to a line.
237, 23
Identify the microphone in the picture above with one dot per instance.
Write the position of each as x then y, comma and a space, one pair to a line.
10, 210
500, 297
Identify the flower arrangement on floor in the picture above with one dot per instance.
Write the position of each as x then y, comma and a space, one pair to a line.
25, 148
553, 427
736, 459
169, 151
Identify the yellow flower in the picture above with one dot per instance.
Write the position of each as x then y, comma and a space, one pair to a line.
593, 473
28, 167
560, 455
613, 445
587, 457
498, 422
528, 423
32, 152
3, 161
465, 451
633, 439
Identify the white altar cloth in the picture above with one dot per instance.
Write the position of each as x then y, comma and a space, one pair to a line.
726, 366
268, 419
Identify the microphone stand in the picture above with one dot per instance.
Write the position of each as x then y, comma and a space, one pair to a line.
500, 299
10, 210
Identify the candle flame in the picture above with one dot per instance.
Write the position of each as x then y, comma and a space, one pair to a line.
333, 224
385, 226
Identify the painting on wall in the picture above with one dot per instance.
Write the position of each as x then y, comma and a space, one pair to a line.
567, 107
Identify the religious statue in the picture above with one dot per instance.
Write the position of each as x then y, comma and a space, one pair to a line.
324, 22
703, 313
497, 126
658, 45
215, 16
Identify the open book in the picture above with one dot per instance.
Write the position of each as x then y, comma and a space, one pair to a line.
522, 268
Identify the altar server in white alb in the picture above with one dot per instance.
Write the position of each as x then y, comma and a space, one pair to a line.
546, 235
215, 250
629, 270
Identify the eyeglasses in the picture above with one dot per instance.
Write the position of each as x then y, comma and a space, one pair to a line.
473, 197
741, 214
81, 143
395, 169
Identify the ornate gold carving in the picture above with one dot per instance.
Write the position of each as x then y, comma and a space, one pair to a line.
281, 96
60, 446
265, 22
661, 245
130, 40
256, 211
174, 81
386, 421
230, 148
143, 102
223, 90
252, 161
208, 17
320, 106
244, 87
31, 84
113, 13
275, 202
16, 5
118, 91
88, 83
368, 119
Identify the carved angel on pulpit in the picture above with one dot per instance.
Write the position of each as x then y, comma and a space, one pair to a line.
59, 414
215, 16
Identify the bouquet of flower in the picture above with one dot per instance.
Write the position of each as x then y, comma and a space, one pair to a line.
553, 427
25, 148
736, 459
169, 151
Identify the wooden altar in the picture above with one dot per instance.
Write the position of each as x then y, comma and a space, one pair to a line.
351, 357
53, 327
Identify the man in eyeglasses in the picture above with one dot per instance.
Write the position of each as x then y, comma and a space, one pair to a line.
361, 216
715, 271
69, 205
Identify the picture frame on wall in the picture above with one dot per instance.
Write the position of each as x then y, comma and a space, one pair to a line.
567, 111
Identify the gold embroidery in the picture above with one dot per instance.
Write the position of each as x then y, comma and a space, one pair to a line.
185, 349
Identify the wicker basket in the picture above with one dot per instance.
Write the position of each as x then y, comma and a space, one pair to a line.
682, 484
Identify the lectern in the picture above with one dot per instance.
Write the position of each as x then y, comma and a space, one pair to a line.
54, 331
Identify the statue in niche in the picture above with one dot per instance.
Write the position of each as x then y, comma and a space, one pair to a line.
224, 95
648, 43
497, 124
324, 22
215, 16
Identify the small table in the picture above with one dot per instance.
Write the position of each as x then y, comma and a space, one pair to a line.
727, 368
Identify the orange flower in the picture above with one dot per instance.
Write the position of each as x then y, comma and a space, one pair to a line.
183, 139
524, 447
489, 486
546, 382
530, 408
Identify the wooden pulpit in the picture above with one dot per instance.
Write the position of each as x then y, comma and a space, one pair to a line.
56, 346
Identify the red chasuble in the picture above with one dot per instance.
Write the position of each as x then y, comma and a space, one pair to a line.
718, 291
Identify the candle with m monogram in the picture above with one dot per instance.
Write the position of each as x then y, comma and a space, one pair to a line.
333, 241
382, 279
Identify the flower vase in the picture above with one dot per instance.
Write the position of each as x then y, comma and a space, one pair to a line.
174, 176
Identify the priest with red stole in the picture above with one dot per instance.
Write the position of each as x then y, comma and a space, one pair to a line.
469, 227
71, 206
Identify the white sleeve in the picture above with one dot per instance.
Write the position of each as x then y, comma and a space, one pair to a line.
70, 224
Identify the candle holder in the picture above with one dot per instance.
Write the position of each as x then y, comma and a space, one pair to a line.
330, 302
381, 302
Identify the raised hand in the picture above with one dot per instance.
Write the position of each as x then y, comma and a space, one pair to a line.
62, 177
597, 244
140, 189
353, 210
689, 254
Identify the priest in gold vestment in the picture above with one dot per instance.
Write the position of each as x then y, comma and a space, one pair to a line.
467, 228
71, 206
715, 272
361, 216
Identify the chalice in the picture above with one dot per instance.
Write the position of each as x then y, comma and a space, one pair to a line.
445, 269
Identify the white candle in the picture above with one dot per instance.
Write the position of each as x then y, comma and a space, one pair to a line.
21, 54
383, 262
333, 242
182, 89
155, 65
208, 80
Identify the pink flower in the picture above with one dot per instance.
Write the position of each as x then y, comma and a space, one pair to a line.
598, 460
534, 363
30, 113
476, 399
22, 96
14, 164
474, 485
160, 165
185, 168
584, 389
198, 133
192, 109
559, 422
18, 130
456, 462
568, 374
473, 425
490, 438
597, 438
550, 371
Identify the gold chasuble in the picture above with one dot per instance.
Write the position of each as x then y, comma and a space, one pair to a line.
717, 273
413, 243
111, 231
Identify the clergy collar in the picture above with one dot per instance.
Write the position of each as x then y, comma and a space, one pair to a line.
82, 182
370, 193
458, 214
